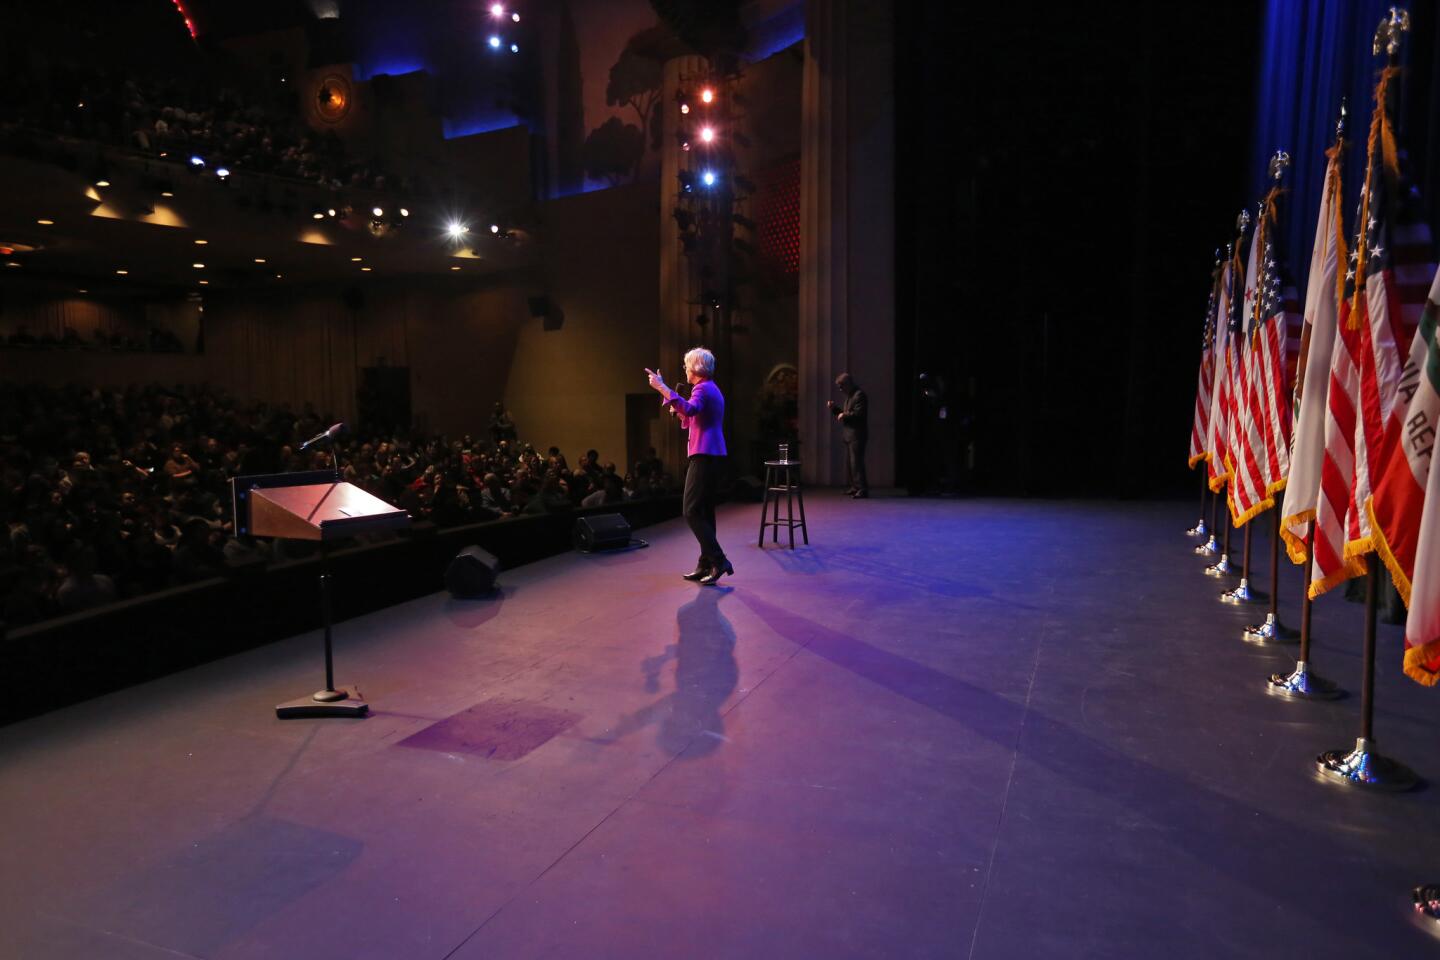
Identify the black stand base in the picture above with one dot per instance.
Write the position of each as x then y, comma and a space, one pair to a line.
1364, 768
1272, 631
1426, 899
1301, 684
326, 703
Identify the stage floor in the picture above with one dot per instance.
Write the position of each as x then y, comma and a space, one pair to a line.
979, 728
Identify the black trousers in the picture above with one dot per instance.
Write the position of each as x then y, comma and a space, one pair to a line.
702, 480
855, 463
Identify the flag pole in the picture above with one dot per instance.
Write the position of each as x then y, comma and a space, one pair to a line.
1363, 766
1222, 567
1199, 529
1272, 630
1300, 683
1209, 548
1243, 593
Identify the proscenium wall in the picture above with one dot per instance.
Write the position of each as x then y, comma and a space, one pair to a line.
572, 370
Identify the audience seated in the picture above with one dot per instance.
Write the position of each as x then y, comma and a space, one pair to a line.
167, 117
108, 494
158, 340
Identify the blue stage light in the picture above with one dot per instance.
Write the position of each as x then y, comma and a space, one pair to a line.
494, 42
708, 178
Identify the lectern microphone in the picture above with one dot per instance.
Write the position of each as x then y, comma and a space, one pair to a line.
326, 435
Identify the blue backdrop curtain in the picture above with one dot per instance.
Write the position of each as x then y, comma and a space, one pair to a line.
1314, 53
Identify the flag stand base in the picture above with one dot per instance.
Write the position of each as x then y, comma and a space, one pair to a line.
1271, 631
1222, 568
1427, 907
1242, 594
1363, 767
1301, 684
1208, 549
1198, 530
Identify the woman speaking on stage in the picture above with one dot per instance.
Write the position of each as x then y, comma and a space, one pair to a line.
703, 415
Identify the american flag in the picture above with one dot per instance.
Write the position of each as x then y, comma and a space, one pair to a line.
1246, 443
1278, 338
1386, 282
1199, 428
1226, 361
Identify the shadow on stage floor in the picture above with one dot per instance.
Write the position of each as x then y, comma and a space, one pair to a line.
946, 728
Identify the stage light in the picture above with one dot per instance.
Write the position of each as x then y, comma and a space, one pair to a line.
364, 269
196, 160
356, 259
167, 193
454, 268
204, 283
404, 212
687, 181
455, 229
259, 259
494, 42
222, 172
495, 228
330, 211
378, 212
198, 266
122, 273
46, 223
707, 95
515, 17
707, 134
201, 243
708, 178
514, 48
101, 182
497, 10
685, 108
684, 140
683, 98
317, 214
12, 263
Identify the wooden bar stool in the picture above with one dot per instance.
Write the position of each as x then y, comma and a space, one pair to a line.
783, 476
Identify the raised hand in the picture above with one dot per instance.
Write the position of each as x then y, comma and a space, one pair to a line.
657, 382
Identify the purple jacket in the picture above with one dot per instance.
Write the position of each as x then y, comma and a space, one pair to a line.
703, 414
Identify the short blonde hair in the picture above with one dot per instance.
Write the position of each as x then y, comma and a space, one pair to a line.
701, 361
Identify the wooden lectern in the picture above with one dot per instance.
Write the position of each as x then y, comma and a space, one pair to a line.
313, 505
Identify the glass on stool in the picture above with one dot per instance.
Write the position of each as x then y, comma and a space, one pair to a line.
784, 453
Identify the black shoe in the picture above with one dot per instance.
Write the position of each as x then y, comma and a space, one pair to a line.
860, 495
713, 577
700, 571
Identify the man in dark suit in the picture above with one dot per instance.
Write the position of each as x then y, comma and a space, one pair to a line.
852, 416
